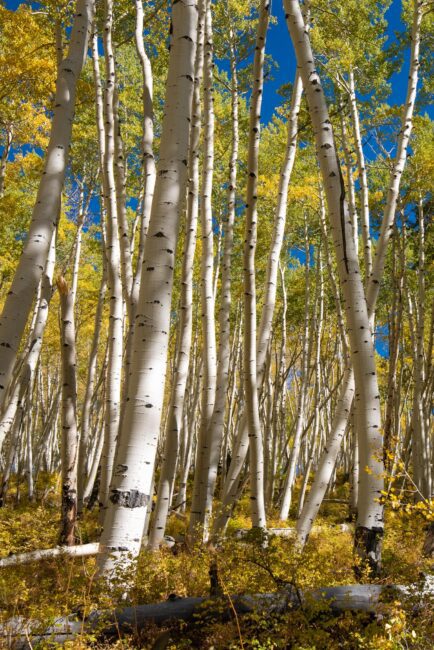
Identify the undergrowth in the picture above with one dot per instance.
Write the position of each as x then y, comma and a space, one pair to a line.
48, 589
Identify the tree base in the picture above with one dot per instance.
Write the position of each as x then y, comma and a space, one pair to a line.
368, 544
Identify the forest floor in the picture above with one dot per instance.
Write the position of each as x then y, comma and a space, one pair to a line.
57, 587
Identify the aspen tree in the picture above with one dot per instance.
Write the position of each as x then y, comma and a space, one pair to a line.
216, 424
145, 203
364, 190
369, 529
198, 514
30, 362
230, 488
149, 171
249, 350
304, 378
185, 323
83, 465
115, 339
421, 442
399, 161
44, 218
345, 400
130, 491
69, 416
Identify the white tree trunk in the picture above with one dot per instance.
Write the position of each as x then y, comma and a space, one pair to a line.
185, 323
69, 417
87, 400
115, 334
230, 488
333, 442
249, 351
370, 516
216, 425
198, 514
304, 379
363, 179
19, 300
130, 492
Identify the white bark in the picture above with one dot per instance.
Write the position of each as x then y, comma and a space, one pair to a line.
230, 488
185, 322
304, 378
87, 400
115, 334
198, 514
370, 514
44, 218
69, 440
30, 362
329, 459
81, 550
249, 351
363, 179
399, 162
216, 425
130, 492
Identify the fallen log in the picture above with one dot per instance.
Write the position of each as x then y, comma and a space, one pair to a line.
81, 550
86, 550
21, 635
290, 531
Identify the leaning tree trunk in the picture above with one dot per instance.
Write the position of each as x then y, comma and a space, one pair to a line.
19, 299
369, 530
30, 362
130, 491
363, 180
149, 172
69, 417
330, 453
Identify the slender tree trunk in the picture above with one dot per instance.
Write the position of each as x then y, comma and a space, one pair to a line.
87, 400
30, 362
375, 278
249, 351
69, 417
20, 297
198, 514
130, 492
304, 379
216, 426
363, 179
230, 488
115, 334
399, 162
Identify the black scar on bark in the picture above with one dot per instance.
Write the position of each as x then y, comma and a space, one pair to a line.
368, 545
129, 498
